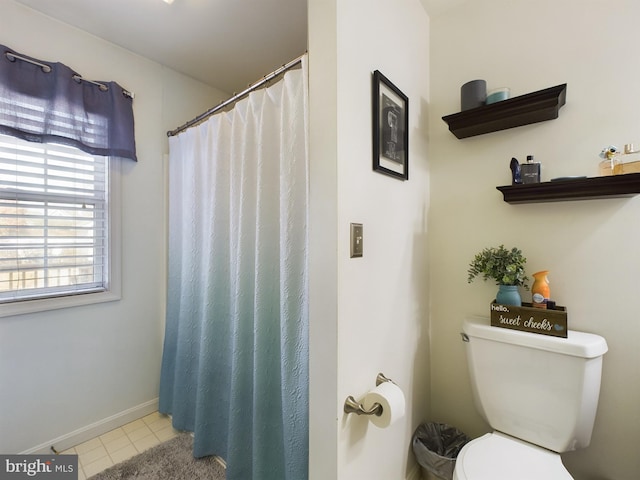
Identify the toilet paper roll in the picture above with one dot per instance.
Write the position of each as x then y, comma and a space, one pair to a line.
390, 396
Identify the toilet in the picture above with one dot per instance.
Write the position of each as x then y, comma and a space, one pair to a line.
538, 393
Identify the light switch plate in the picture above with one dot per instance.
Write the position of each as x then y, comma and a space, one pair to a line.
356, 240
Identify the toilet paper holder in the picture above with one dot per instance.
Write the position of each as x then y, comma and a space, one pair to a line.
352, 406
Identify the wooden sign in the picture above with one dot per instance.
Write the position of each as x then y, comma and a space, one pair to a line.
530, 319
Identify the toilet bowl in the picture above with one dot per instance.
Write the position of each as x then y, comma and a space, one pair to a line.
496, 456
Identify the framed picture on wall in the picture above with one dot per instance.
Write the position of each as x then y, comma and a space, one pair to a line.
390, 128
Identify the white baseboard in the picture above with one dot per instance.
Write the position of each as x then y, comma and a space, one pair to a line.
96, 429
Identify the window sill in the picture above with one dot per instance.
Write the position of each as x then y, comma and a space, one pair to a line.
46, 304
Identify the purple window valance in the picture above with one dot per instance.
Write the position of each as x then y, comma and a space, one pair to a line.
47, 102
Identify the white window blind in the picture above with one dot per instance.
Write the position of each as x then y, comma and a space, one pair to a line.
53, 221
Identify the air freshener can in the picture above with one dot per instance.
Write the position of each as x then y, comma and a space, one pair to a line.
540, 289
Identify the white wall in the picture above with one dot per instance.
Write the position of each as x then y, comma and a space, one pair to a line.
370, 312
590, 247
323, 254
65, 370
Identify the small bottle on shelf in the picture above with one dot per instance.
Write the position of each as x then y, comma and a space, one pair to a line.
612, 164
530, 171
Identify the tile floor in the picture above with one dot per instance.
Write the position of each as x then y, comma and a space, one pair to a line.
100, 453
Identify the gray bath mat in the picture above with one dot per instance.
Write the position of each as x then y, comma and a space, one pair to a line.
171, 460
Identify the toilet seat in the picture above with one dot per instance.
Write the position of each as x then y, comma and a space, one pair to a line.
496, 456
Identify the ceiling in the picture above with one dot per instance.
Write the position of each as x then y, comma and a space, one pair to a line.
227, 44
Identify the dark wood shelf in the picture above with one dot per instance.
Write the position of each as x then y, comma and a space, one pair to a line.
514, 112
614, 186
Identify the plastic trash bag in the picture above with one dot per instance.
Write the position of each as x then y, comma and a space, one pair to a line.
436, 446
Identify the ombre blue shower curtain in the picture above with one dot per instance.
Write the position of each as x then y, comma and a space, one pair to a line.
235, 361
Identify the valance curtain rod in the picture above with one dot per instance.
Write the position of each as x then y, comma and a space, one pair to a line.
47, 69
237, 96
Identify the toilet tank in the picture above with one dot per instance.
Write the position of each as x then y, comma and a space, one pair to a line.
534, 387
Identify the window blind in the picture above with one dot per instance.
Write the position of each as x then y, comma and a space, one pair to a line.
53, 220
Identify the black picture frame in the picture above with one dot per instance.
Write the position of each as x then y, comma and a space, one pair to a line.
390, 128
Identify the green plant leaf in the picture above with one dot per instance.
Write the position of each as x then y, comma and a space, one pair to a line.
505, 267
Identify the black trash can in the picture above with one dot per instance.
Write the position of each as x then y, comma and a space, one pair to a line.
436, 446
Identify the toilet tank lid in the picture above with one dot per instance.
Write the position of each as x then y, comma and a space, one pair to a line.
577, 344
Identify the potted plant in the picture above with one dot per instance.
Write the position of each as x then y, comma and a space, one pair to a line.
506, 268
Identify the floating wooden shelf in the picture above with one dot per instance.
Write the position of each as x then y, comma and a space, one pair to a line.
523, 110
612, 186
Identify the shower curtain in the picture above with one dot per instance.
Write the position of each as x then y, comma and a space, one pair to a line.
235, 360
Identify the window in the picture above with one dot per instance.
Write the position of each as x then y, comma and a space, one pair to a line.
55, 227
61, 141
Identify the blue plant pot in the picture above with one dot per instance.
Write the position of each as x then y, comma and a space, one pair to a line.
509, 295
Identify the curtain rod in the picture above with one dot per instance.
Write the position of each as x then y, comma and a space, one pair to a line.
12, 57
236, 97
